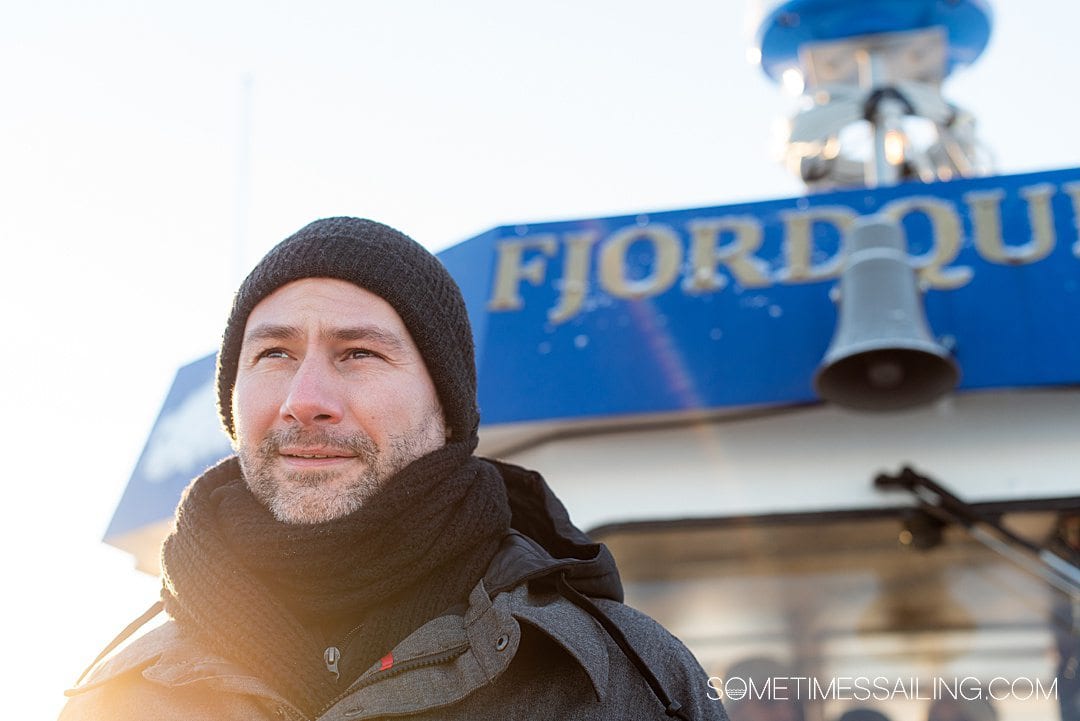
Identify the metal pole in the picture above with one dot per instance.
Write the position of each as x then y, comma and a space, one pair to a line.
885, 120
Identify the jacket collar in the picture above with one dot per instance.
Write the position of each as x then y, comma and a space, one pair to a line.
544, 541
166, 656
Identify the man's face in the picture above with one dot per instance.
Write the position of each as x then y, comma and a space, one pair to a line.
332, 397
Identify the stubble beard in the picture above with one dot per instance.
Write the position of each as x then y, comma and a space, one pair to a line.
317, 496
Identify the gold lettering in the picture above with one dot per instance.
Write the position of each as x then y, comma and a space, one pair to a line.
705, 256
945, 231
1073, 191
985, 208
799, 243
575, 277
667, 253
1041, 218
512, 269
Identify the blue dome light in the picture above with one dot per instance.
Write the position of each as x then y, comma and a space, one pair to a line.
787, 26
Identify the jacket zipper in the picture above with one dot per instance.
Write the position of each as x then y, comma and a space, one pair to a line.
332, 654
432, 659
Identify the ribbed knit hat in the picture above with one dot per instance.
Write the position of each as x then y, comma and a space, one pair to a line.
394, 267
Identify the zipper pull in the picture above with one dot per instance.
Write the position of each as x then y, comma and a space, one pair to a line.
331, 656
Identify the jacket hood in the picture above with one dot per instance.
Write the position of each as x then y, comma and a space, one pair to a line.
543, 542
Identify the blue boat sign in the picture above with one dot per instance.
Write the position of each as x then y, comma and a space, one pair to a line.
730, 306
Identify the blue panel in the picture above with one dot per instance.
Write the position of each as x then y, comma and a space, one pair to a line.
185, 440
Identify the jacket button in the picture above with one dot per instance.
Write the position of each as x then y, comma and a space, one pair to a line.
502, 642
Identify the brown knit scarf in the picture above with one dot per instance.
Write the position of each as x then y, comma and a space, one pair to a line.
272, 596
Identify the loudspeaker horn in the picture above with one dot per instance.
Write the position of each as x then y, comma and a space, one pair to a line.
883, 356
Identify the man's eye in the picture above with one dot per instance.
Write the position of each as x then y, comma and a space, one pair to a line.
273, 353
358, 353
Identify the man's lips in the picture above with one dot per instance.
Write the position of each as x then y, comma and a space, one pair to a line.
314, 456
317, 455
316, 452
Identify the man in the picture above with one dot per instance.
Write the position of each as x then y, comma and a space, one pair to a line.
355, 560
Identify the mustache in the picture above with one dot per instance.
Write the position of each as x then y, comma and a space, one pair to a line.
359, 444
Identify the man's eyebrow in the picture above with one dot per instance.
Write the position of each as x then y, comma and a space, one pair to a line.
343, 334
272, 331
368, 333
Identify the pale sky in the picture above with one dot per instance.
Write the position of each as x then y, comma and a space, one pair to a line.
150, 152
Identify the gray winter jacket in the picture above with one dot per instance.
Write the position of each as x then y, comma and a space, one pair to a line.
544, 636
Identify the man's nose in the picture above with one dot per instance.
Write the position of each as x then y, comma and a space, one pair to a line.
315, 395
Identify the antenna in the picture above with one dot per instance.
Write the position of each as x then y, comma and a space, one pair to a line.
243, 180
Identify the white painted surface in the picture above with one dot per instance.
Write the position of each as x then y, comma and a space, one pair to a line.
987, 446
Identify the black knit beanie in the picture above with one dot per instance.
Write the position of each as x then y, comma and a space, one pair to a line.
394, 267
